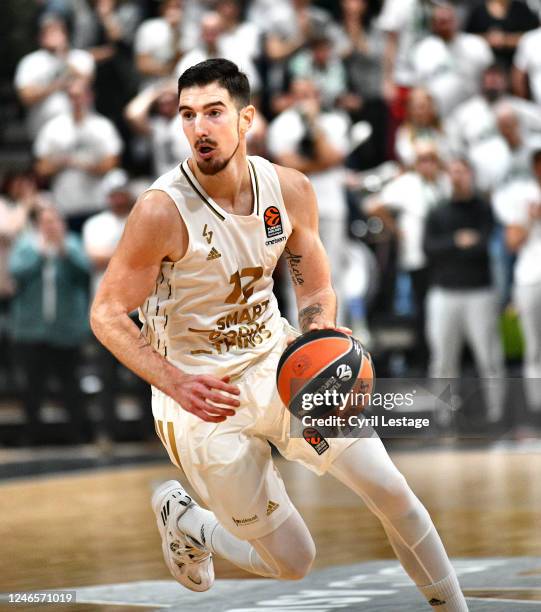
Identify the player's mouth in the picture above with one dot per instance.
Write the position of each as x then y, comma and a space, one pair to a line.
205, 151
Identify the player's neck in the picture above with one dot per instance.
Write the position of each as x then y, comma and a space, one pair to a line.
227, 187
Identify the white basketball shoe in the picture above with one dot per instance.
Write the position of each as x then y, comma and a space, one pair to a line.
188, 560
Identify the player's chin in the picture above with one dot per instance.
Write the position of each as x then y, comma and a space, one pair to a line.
209, 166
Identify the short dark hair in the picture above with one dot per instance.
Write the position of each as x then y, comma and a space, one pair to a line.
221, 71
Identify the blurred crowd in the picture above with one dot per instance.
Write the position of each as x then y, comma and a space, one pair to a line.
417, 121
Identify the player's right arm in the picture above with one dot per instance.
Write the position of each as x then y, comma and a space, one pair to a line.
154, 232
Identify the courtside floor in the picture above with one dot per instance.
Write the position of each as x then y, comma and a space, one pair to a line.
93, 531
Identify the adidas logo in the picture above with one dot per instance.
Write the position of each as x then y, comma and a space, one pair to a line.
271, 507
213, 254
165, 513
436, 602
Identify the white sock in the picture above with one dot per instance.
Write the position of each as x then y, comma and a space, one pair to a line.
446, 591
203, 526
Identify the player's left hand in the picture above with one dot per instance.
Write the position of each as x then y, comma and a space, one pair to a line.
314, 326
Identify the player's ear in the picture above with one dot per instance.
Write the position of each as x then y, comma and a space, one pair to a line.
247, 114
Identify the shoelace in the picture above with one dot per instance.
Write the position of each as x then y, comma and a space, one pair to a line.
181, 551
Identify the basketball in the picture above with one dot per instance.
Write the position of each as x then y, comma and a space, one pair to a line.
325, 372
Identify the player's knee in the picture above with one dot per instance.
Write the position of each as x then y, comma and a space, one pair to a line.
395, 497
296, 566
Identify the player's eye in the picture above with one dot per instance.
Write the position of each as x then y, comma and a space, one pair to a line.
187, 115
215, 113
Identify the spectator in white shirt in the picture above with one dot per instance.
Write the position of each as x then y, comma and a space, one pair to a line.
411, 197
154, 114
290, 26
102, 232
527, 66
473, 132
404, 23
422, 124
41, 77
76, 150
316, 143
519, 208
211, 45
519, 142
158, 43
449, 63
239, 38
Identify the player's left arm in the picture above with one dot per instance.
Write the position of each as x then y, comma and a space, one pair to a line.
305, 255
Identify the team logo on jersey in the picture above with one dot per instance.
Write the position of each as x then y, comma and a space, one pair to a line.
273, 222
207, 233
315, 440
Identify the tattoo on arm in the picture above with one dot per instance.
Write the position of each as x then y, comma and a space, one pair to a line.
294, 261
308, 315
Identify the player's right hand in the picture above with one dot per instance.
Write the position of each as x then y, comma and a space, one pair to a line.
207, 396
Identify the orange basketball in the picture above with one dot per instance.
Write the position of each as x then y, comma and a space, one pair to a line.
325, 372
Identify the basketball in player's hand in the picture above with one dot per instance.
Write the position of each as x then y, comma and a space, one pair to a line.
325, 372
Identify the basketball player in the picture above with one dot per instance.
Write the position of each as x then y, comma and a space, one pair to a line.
198, 252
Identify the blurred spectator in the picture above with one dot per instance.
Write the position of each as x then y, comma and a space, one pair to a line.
404, 23
449, 63
256, 139
154, 114
290, 26
288, 29
518, 207
527, 66
473, 132
316, 142
238, 38
517, 166
76, 149
422, 123
461, 303
96, 24
259, 11
109, 37
501, 23
211, 45
158, 43
519, 143
361, 49
101, 234
321, 64
412, 196
49, 317
42, 77
15, 211
192, 13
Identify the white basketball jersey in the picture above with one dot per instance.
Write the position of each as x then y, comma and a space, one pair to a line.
213, 311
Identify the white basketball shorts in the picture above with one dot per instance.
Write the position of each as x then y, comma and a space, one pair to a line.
229, 464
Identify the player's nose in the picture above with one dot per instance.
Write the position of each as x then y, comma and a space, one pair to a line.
200, 126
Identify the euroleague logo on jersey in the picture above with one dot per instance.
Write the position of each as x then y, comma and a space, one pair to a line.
273, 222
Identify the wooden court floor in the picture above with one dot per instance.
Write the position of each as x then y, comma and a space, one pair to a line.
97, 527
